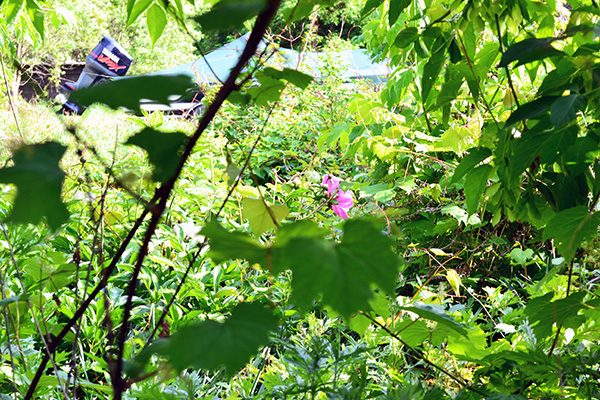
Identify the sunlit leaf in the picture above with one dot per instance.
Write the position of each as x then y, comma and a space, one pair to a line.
435, 313
262, 217
38, 178
156, 19
164, 150
543, 312
135, 8
570, 227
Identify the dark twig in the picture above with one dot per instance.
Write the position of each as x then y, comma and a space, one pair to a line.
455, 378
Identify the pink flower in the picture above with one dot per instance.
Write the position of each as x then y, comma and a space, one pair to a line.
343, 199
332, 184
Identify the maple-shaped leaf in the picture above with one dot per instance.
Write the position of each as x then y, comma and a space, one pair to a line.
39, 179
164, 150
261, 216
210, 345
343, 274
543, 313
225, 245
570, 227
132, 92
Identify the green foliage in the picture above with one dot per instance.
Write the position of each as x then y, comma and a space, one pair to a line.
39, 179
467, 268
134, 90
163, 149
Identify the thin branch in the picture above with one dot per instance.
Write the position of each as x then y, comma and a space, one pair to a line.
455, 378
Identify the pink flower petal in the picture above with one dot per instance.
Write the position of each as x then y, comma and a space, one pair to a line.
344, 199
331, 183
339, 211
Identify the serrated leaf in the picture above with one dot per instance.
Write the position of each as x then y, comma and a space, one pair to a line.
345, 271
37, 175
156, 20
475, 184
131, 92
435, 313
565, 108
210, 345
529, 50
570, 227
469, 161
543, 313
228, 14
225, 245
135, 8
261, 216
297, 78
396, 8
164, 150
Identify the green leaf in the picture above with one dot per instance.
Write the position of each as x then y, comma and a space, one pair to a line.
135, 8
521, 256
543, 313
229, 14
570, 227
164, 151
13, 299
269, 90
565, 108
261, 216
449, 92
295, 77
36, 15
396, 8
11, 9
156, 19
370, 5
37, 175
129, 92
225, 245
345, 271
475, 184
470, 160
432, 70
211, 345
530, 110
529, 50
436, 313
406, 37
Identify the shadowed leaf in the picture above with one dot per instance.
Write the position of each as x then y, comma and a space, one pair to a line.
38, 178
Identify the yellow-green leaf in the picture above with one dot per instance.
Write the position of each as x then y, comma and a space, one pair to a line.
262, 217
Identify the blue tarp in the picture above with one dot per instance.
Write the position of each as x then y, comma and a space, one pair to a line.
216, 66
